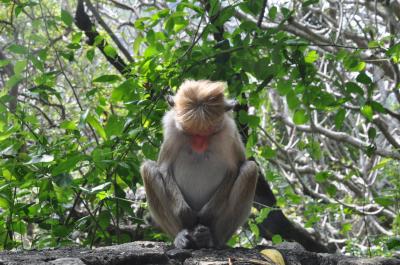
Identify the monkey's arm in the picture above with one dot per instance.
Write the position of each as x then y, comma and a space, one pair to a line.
231, 204
166, 203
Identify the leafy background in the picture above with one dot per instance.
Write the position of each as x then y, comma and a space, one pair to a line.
82, 95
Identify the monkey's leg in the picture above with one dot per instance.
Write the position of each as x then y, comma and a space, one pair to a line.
231, 204
166, 203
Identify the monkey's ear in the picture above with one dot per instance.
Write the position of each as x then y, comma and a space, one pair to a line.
170, 100
229, 104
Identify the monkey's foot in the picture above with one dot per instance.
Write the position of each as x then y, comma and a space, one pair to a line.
184, 240
202, 237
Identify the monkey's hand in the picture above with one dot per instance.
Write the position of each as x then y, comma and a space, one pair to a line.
184, 240
202, 237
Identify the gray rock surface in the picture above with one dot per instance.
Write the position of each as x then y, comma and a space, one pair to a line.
143, 252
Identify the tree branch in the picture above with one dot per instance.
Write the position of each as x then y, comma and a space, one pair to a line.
108, 30
83, 22
339, 136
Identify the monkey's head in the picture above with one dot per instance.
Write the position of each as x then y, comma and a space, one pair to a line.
200, 106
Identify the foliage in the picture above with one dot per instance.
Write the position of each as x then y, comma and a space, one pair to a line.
322, 115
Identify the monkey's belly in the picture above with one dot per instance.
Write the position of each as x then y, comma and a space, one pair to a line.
198, 176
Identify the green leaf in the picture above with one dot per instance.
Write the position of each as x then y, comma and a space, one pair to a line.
283, 87
339, 118
106, 79
292, 100
66, 17
254, 229
373, 44
261, 68
371, 133
252, 120
322, 176
180, 25
248, 26
277, 239
18, 49
90, 54
13, 81
59, 231
346, 228
150, 51
300, 117
76, 37
393, 243
377, 107
68, 125
96, 125
367, 111
4, 63
67, 165
6, 134
110, 51
214, 7
353, 63
149, 151
262, 215
19, 67
311, 57
267, 152
331, 190
272, 12
384, 201
169, 24
352, 87
114, 126
364, 78
394, 52
125, 91
225, 15
136, 44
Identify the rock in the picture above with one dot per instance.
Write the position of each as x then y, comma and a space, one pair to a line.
67, 261
179, 254
144, 252
140, 252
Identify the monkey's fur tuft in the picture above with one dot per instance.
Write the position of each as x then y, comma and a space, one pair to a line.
200, 105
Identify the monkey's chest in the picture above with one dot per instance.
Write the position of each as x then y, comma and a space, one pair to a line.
198, 176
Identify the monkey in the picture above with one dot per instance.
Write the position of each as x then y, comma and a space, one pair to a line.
201, 188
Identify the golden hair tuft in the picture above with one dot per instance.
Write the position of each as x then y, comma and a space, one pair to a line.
200, 104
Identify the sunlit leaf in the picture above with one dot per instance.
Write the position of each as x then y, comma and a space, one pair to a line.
66, 17
367, 111
106, 79
300, 117
311, 57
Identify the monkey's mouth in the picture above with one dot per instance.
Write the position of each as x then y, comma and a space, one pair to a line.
199, 143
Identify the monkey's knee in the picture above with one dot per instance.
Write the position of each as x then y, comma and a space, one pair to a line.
249, 171
149, 170
245, 184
